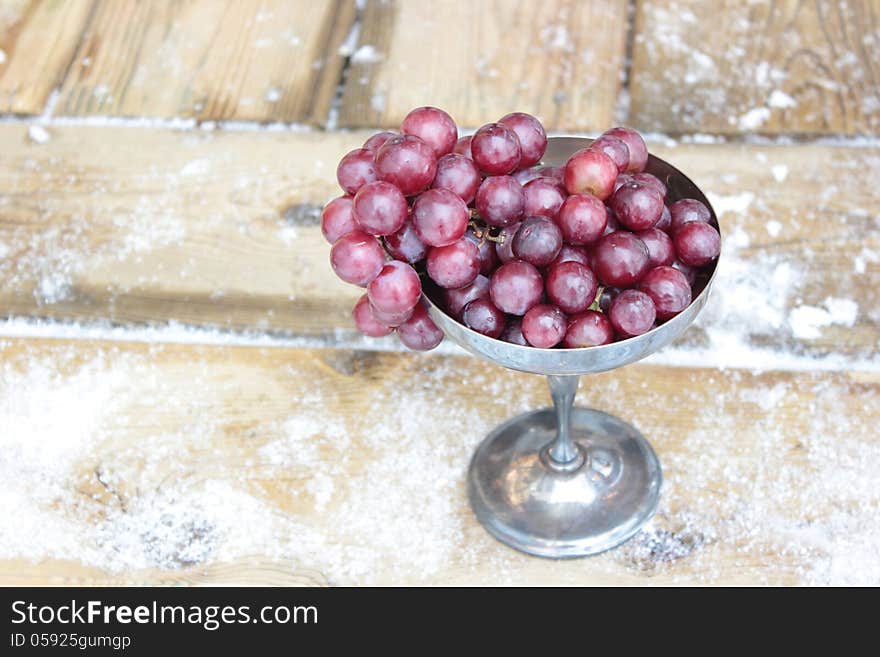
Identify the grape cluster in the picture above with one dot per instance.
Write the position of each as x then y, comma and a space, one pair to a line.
541, 256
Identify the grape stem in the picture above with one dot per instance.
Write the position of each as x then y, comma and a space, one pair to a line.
484, 232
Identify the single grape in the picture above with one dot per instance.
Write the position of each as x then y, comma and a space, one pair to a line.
396, 289
482, 316
638, 150
531, 134
433, 126
620, 259
538, 241
405, 244
660, 248
637, 206
614, 148
590, 172
505, 249
524, 176
420, 332
665, 222
495, 149
457, 299
542, 197
454, 265
458, 174
376, 142
512, 333
588, 329
621, 180
380, 208
515, 287
697, 244
337, 219
668, 289
632, 313
355, 170
463, 147
366, 322
392, 319
440, 217
571, 286
544, 326
357, 258
582, 219
488, 256
651, 181
406, 162
686, 210
500, 200
690, 273
569, 253
609, 294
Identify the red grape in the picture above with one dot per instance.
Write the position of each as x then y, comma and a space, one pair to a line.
569, 253
457, 299
406, 162
669, 290
665, 222
405, 244
590, 171
571, 286
440, 217
582, 219
611, 223
687, 210
482, 316
690, 273
632, 313
488, 255
543, 197
512, 333
638, 150
463, 147
505, 249
531, 134
637, 206
620, 259
420, 332
614, 148
589, 329
337, 219
697, 244
396, 289
380, 208
651, 181
544, 326
621, 180
609, 294
458, 174
355, 170
376, 142
366, 322
392, 319
357, 258
500, 200
433, 126
557, 173
495, 149
660, 248
454, 265
515, 287
523, 176
538, 241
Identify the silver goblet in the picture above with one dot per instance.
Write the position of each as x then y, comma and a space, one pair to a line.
570, 482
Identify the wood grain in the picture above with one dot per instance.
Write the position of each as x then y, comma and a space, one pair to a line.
769, 67
38, 39
187, 464
136, 226
260, 61
560, 60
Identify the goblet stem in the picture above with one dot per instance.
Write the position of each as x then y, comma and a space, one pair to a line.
563, 453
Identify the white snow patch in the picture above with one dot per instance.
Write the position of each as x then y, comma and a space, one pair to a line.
39, 135
366, 54
773, 228
731, 203
780, 172
780, 99
806, 322
754, 118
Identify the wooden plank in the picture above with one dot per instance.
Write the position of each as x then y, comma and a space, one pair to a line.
135, 463
768, 67
37, 41
220, 229
560, 60
261, 61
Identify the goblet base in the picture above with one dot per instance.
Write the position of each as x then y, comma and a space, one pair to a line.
526, 500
